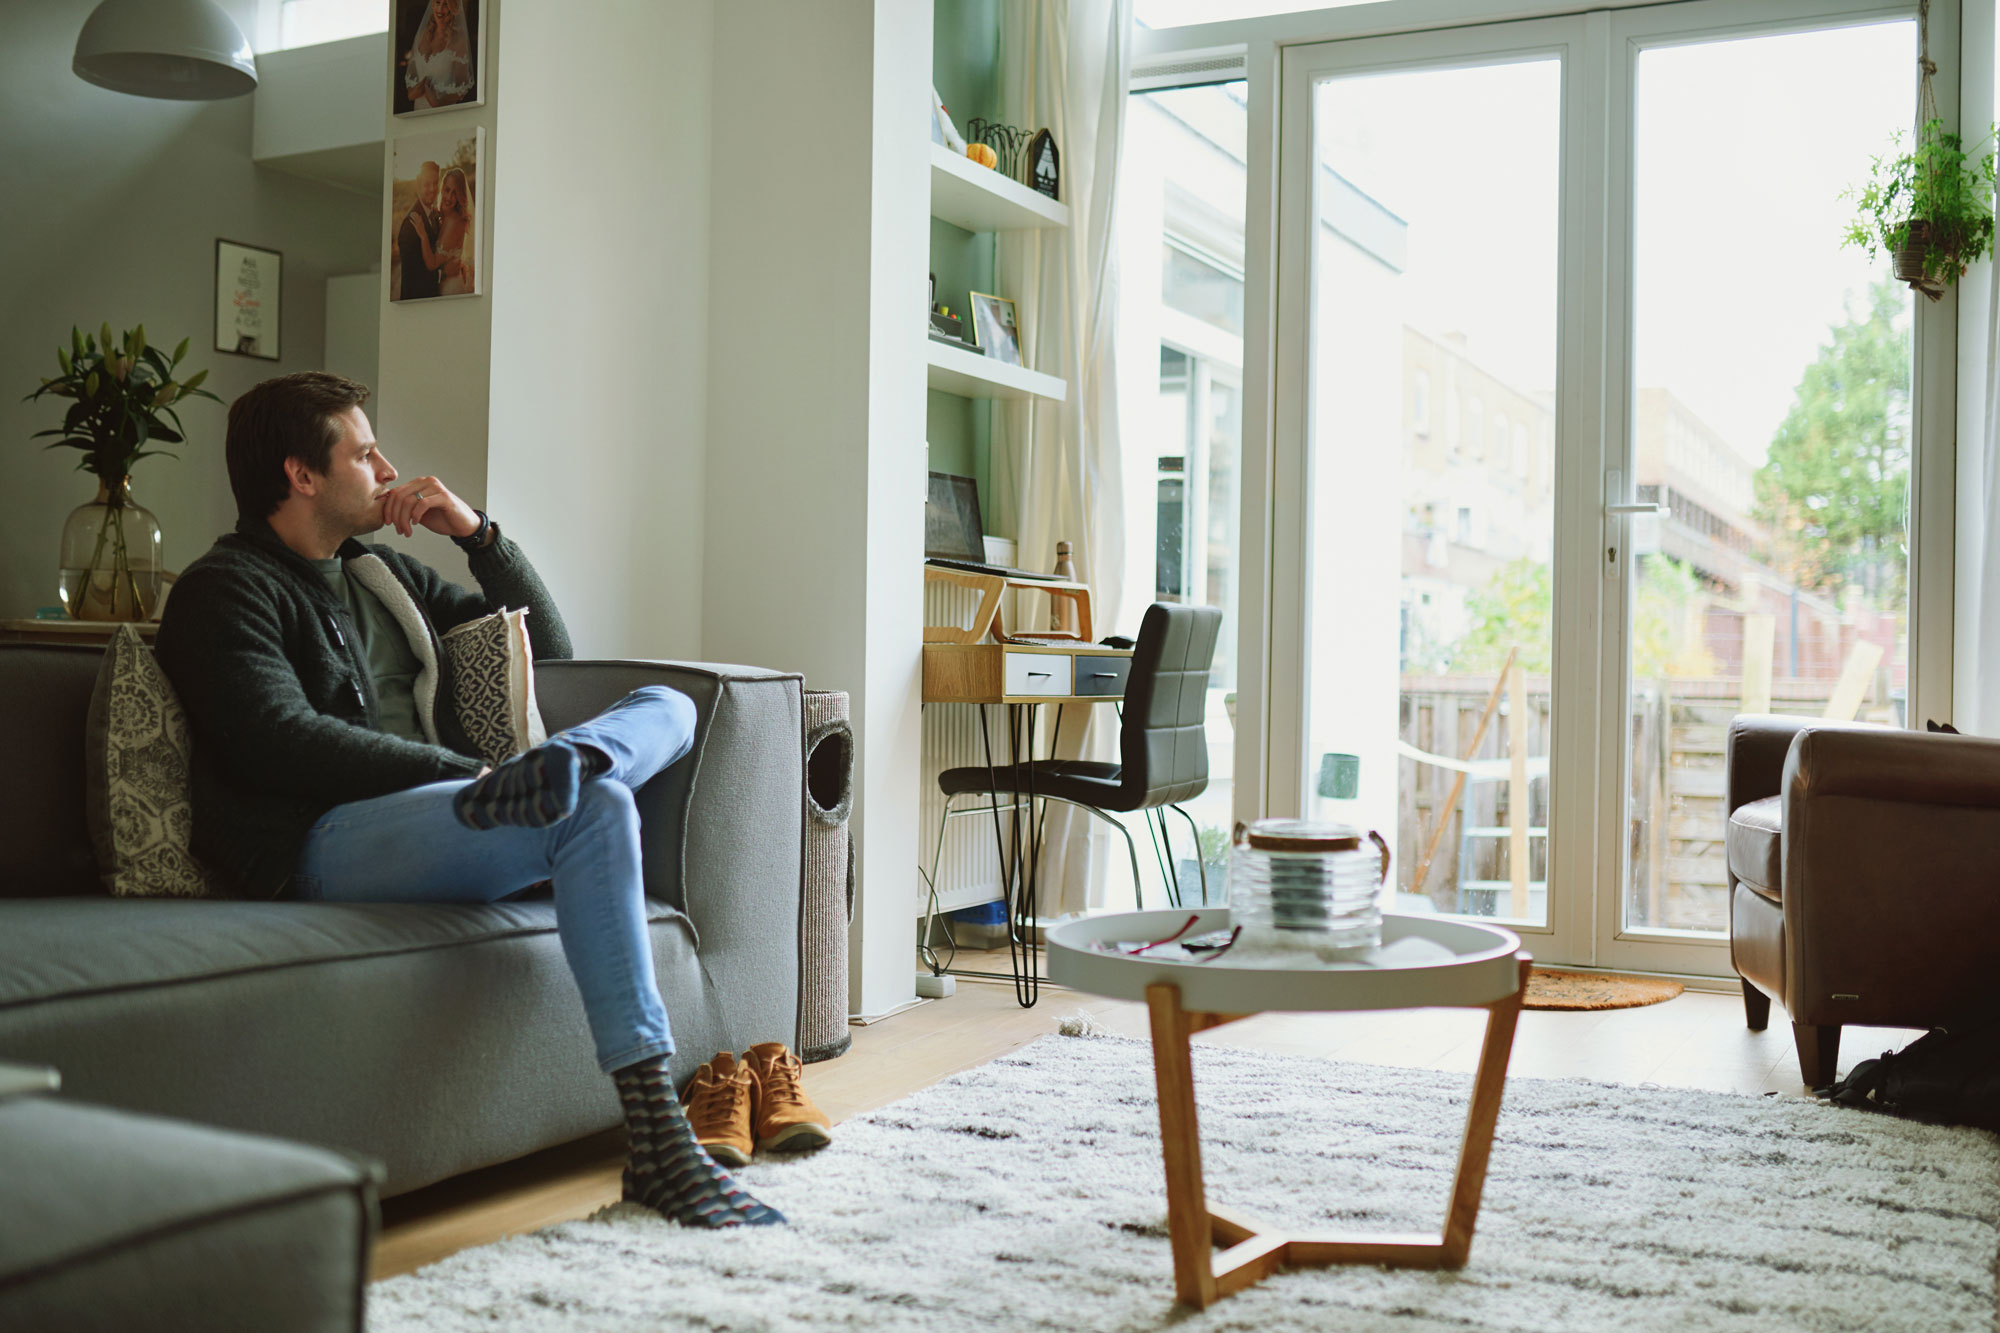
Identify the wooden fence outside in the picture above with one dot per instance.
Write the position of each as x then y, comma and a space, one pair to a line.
1679, 731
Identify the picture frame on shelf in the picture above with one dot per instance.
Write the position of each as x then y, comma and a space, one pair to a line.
249, 285
996, 328
436, 57
1041, 165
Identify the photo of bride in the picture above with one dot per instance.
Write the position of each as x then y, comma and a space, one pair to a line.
436, 56
434, 215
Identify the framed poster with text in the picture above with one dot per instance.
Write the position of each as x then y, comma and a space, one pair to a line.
247, 285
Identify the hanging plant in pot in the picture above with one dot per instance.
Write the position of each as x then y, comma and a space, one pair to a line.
1930, 208
123, 400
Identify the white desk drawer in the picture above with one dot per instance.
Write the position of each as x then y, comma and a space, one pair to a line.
1038, 673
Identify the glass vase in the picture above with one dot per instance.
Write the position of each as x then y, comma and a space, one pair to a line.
110, 564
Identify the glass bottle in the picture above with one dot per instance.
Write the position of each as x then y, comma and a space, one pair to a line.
110, 562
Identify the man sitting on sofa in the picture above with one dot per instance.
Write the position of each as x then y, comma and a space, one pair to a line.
329, 765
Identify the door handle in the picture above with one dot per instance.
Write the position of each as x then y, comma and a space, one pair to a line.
1617, 508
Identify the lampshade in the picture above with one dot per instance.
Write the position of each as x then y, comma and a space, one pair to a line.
188, 50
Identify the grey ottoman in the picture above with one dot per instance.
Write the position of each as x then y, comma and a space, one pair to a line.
110, 1220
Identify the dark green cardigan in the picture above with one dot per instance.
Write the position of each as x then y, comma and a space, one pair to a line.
282, 710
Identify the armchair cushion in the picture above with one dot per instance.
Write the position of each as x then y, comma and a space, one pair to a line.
1753, 844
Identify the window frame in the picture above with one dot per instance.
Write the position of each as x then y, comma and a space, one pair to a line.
1254, 49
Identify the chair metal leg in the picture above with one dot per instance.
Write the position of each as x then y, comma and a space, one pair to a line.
1200, 861
1131, 847
1158, 836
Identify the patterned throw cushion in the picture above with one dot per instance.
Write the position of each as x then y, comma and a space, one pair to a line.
492, 669
136, 798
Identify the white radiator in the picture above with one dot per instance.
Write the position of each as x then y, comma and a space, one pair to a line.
968, 870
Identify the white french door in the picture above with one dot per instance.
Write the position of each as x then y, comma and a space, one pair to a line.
1555, 320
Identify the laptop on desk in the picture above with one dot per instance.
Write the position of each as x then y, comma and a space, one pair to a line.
953, 535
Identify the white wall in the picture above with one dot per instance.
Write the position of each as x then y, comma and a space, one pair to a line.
600, 310
110, 207
304, 101
820, 188
430, 408
354, 327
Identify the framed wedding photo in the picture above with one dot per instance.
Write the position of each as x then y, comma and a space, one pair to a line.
996, 328
248, 283
435, 56
436, 182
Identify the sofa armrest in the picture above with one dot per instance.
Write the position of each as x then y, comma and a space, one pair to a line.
1891, 891
1928, 768
724, 829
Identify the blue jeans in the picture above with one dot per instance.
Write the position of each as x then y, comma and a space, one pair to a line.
408, 847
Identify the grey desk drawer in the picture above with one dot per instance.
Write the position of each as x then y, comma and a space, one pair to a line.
1101, 675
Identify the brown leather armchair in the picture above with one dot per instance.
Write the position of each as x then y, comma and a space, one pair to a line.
1864, 877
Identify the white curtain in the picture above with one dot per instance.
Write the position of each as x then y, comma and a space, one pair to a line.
1064, 67
1976, 696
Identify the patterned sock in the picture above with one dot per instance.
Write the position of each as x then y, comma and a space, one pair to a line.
596, 763
531, 790
666, 1169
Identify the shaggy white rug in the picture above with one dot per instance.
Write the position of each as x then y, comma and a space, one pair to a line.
1028, 1194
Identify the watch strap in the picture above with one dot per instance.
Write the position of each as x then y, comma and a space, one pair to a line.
477, 538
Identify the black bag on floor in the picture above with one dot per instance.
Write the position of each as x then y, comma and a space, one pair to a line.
1943, 1077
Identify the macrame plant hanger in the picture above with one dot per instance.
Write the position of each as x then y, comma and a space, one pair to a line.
1920, 241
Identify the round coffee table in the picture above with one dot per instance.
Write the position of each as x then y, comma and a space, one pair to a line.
1424, 962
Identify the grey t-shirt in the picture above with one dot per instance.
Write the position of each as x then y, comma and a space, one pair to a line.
384, 648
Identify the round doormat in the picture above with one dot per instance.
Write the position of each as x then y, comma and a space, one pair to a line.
1553, 988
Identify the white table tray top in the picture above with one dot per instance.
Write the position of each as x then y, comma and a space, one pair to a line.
1423, 962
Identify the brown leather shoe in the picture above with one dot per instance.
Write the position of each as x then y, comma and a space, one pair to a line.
787, 1120
718, 1102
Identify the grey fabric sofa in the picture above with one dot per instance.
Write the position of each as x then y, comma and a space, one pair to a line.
431, 1039
118, 1221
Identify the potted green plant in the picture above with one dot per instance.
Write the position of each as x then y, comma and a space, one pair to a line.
1930, 207
122, 400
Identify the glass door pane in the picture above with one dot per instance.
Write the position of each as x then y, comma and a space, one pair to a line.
1770, 417
1180, 357
1431, 430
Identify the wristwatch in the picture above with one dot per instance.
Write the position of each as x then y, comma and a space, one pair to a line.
478, 537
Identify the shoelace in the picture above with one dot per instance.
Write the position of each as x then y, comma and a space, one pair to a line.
725, 1091
781, 1080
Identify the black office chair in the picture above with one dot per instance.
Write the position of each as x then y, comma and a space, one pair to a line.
1163, 746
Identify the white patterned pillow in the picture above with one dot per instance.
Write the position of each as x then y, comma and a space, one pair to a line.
492, 671
136, 766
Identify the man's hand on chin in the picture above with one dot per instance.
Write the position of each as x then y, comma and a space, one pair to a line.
426, 501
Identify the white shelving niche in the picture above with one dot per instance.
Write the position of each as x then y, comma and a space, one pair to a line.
980, 199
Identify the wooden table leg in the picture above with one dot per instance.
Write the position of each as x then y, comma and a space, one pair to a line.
1180, 1143
1256, 1251
1487, 1085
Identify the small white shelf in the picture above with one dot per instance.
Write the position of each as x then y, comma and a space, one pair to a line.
978, 198
970, 375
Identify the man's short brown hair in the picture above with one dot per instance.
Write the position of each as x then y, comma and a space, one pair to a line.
291, 416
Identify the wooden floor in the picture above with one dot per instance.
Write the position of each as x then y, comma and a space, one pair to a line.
1695, 1041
